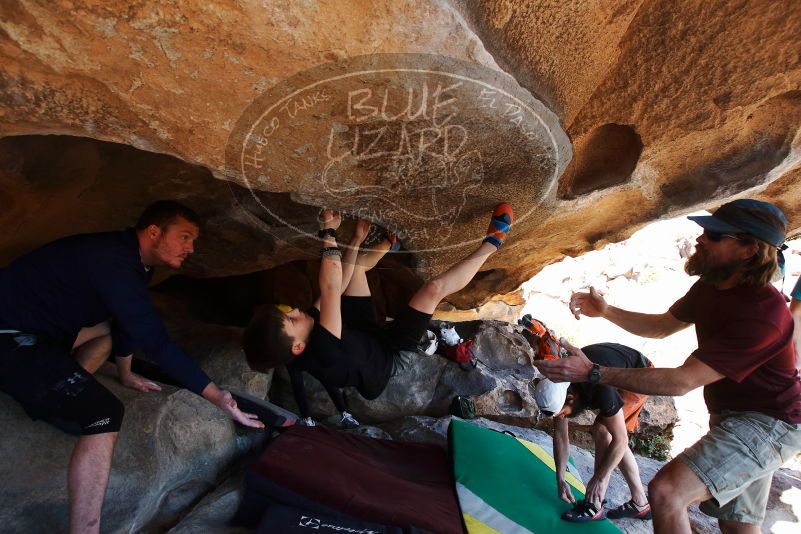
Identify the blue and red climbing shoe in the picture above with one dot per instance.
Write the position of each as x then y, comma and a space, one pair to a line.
394, 242
500, 224
585, 511
632, 510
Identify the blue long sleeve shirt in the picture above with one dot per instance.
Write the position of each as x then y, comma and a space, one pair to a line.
83, 280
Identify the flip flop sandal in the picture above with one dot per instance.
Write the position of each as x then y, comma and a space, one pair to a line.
500, 224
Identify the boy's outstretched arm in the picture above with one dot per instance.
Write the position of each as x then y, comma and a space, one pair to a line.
330, 278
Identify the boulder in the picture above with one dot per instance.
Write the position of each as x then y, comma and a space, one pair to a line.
370, 431
783, 501
218, 349
419, 429
213, 513
172, 449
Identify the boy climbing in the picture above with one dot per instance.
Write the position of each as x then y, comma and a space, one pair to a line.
339, 340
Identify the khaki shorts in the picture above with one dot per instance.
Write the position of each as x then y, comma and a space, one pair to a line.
736, 461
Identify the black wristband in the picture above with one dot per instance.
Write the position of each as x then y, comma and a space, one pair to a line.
330, 251
327, 232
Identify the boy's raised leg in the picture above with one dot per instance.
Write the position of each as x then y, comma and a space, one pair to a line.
459, 275
366, 260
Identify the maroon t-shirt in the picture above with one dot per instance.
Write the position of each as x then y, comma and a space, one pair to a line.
746, 334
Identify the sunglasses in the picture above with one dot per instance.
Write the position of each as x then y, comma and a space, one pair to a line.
717, 236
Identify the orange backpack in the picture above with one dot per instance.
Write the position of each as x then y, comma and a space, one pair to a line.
540, 338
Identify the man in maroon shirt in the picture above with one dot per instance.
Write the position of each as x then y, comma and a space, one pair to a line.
745, 360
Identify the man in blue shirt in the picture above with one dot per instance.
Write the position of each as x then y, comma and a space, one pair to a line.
64, 308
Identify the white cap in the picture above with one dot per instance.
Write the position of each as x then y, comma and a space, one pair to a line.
550, 396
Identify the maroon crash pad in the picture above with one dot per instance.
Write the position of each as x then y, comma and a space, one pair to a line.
388, 482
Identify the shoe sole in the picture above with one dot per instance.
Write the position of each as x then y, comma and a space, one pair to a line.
644, 517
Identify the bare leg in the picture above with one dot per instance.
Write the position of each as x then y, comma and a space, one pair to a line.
366, 260
91, 332
602, 439
87, 479
628, 466
92, 347
673, 489
457, 277
93, 353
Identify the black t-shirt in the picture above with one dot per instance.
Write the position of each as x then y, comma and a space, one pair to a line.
359, 359
603, 397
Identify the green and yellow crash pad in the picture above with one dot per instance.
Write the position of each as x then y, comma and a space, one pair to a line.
507, 485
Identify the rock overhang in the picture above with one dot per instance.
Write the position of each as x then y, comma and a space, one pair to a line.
654, 134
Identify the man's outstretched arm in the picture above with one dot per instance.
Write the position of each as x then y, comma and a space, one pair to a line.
691, 374
223, 400
125, 295
651, 325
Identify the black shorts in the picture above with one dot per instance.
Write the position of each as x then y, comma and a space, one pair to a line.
42, 376
404, 333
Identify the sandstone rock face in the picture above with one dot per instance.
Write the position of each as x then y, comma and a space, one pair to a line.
215, 510
172, 449
666, 108
502, 383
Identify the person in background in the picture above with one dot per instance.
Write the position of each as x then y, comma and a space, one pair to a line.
745, 360
618, 411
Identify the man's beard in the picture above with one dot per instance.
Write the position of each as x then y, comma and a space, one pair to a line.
697, 264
